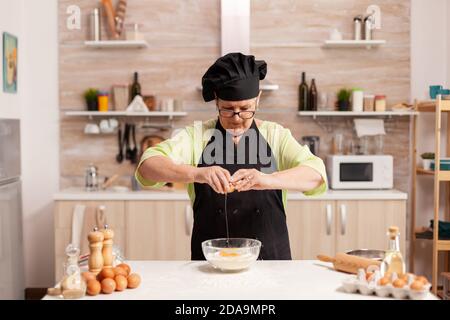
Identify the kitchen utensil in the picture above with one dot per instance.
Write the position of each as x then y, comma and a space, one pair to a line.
128, 152
103, 101
119, 157
110, 17
322, 102
120, 16
434, 91
369, 102
95, 21
232, 254
357, 100
338, 143
368, 26
349, 263
379, 144
377, 255
91, 128
121, 96
134, 150
109, 182
91, 178
132, 32
357, 27
335, 35
313, 142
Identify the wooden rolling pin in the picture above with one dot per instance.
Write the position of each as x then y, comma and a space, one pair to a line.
348, 263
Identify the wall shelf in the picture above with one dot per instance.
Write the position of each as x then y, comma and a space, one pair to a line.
91, 114
353, 43
264, 86
117, 44
316, 114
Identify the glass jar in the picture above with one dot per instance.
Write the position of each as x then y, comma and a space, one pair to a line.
380, 103
72, 285
369, 101
103, 101
132, 32
121, 96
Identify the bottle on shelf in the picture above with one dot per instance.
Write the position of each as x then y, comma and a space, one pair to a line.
313, 96
393, 260
303, 94
135, 87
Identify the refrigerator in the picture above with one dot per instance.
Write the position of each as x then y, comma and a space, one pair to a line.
12, 278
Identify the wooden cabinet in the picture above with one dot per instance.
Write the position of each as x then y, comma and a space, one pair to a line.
327, 227
161, 229
158, 230
311, 226
63, 226
364, 224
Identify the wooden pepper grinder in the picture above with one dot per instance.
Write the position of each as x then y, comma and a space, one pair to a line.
95, 261
108, 235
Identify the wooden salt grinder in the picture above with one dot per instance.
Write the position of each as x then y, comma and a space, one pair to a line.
107, 253
95, 261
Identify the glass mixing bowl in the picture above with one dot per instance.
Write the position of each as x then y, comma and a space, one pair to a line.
232, 254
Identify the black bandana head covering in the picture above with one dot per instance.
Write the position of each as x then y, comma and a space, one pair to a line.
233, 77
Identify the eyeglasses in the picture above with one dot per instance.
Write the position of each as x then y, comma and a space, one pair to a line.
242, 114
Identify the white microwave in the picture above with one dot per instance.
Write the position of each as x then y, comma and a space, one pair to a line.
360, 171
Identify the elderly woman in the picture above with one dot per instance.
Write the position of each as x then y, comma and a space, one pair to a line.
253, 161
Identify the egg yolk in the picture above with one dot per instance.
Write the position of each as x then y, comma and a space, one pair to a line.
224, 253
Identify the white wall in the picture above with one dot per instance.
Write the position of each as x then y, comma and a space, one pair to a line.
40, 139
36, 105
430, 65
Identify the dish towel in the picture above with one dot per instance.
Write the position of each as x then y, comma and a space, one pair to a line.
369, 127
84, 220
77, 224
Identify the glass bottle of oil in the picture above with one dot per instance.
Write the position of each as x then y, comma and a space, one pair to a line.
393, 259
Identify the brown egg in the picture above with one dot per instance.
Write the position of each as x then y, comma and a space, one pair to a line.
133, 280
403, 277
108, 285
118, 271
93, 287
399, 283
384, 281
125, 267
388, 275
88, 276
121, 282
106, 273
423, 279
417, 285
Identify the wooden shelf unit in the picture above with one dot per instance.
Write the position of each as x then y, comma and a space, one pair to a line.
439, 107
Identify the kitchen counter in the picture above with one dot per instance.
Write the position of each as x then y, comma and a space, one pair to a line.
271, 280
78, 194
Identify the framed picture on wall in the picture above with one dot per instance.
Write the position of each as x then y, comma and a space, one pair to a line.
9, 63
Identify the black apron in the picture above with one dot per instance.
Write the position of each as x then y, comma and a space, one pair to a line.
255, 214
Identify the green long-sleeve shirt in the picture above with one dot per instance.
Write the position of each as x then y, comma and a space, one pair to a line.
187, 145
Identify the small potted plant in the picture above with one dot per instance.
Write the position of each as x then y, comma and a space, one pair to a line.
427, 158
343, 98
90, 96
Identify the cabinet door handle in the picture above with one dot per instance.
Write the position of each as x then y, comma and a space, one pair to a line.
329, 216
188, 219
343, 218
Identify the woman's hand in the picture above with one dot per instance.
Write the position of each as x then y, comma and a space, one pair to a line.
251, 179
217, 177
